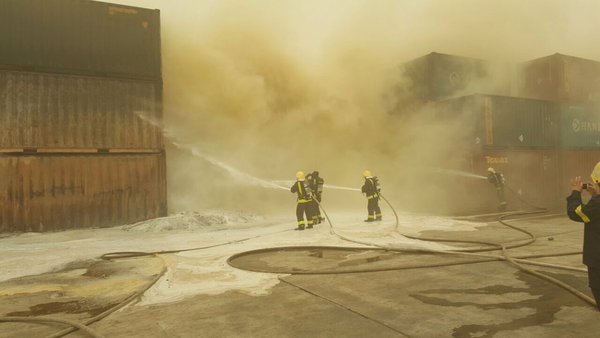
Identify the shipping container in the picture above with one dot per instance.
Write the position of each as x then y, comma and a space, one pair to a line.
576, 163
54, 192
438, 76
580, 126
41, 110
80, 37
561, 78
503, 121
531, 180
532, 176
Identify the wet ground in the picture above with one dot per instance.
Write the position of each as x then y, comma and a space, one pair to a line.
306, 289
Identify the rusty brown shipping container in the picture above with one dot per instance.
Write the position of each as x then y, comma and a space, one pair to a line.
40, 110
80, 37
561, 78
531, 176
54, 192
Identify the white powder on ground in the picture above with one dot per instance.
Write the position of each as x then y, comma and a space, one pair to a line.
192, 221
206, 271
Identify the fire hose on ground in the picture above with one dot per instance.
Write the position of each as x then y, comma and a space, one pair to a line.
84, 326
470, 252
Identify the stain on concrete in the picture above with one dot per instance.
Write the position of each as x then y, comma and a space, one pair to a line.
547, 301
80, 306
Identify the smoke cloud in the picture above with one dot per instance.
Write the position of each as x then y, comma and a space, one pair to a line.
272, 87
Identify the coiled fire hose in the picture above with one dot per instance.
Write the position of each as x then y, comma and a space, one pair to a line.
133, 297
472, 252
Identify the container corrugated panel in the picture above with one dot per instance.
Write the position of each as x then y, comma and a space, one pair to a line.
576, 163
437, 76
561, 78
45, 193
503, 121
580, 126
80, 37
517, 122
531, 175
40, 110
453, 74
418, 75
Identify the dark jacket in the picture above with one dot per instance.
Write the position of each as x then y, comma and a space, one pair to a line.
303, 190
590, 215
316, 184
370, 187
497, 179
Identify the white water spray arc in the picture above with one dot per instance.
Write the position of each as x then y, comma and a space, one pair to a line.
235, 173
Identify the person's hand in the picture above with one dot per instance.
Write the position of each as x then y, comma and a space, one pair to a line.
592, 188
576, 184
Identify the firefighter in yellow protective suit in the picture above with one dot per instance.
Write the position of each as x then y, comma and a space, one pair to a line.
497, 179
305, 202
371, 189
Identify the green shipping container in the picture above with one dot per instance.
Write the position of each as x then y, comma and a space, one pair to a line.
502, 121
437, 76
80, 37
579, 126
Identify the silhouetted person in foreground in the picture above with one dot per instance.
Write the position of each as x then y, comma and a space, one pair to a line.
589, 214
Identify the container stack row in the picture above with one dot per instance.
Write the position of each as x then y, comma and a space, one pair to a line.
80, 115
537, 122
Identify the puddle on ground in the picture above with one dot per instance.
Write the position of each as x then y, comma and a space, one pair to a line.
543, 300
90, 286
324, 259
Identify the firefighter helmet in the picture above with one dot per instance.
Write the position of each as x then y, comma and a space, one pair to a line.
367, 173
491, 170
596, 173
300, 175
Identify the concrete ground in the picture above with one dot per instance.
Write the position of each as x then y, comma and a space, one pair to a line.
202, 296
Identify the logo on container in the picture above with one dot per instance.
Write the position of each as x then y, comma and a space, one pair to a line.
585, 126
496, 160
575, 125
455, 79
112, 10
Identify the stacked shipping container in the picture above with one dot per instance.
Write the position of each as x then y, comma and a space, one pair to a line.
64, 191
515, 136
80, 37
541, 139
438, 76
574, 84
561, 78
80, 106
42, 110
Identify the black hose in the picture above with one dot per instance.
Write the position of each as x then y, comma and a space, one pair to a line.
130, 254
112, 256
44, 320
532, 238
